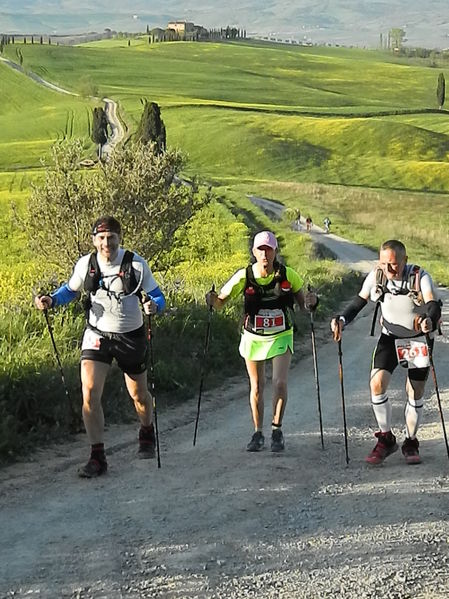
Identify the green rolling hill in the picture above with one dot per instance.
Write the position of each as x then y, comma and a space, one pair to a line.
252, 111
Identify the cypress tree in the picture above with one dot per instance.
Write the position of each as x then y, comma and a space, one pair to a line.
441, 90
151, 127
99, 127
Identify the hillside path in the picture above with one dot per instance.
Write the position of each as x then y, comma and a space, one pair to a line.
356, 257
36, 78
117, 131
218, 522
110, 106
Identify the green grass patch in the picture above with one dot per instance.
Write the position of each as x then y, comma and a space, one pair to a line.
33, 117
367, 152
250, 106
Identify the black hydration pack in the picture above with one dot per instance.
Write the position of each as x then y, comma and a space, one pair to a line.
276, 295
93, 280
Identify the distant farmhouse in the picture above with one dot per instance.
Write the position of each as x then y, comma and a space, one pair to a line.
188, 31
179, 31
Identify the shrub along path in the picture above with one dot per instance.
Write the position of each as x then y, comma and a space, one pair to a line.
216, 521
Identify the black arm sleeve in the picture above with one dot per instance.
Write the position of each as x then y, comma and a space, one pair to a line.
354, 308
433, 310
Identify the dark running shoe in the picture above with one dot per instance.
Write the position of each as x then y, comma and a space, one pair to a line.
94, 467
410, 450
277, 440
147, 443
385, 446
256, 443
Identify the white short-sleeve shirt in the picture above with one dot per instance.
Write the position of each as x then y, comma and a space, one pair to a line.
110, 312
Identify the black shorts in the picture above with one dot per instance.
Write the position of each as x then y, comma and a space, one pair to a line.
129, 349
385, 358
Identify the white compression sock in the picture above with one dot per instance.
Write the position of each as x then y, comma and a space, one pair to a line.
413, 413
382, 411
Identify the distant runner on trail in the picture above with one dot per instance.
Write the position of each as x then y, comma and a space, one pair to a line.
327, 224
410, 311
309, 223
269, 290
114, 279
298, 220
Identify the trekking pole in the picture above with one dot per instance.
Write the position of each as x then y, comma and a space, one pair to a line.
373, 324
72, 415
315, 368
153, 395
342, 389
203, 362
437, 391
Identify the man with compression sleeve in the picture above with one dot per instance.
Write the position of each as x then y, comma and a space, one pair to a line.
410, 312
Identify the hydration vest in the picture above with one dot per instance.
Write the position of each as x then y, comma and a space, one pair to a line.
412, 286
275, 295
93, 280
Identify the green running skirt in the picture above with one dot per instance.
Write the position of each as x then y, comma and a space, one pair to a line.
259, 347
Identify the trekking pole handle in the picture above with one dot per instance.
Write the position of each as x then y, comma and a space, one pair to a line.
337, 332
315, 306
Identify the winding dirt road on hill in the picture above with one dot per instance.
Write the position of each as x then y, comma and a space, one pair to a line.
218, 522
110, 106
117, 131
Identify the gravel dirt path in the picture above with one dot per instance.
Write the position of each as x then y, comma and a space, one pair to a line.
218, 522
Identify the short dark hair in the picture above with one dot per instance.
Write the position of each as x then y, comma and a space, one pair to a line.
106, 224
396, 246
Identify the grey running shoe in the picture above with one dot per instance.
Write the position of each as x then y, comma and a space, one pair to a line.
277, 440
94, 467
410, 451
256, 443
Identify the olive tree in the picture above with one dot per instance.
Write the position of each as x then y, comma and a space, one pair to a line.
137, 185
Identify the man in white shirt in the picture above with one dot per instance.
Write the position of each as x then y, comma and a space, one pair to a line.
114, 280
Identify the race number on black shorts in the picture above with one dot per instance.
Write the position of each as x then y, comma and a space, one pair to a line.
385, 357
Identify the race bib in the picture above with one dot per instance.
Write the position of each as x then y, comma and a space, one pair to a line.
268, 322
91, 340
412, 354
